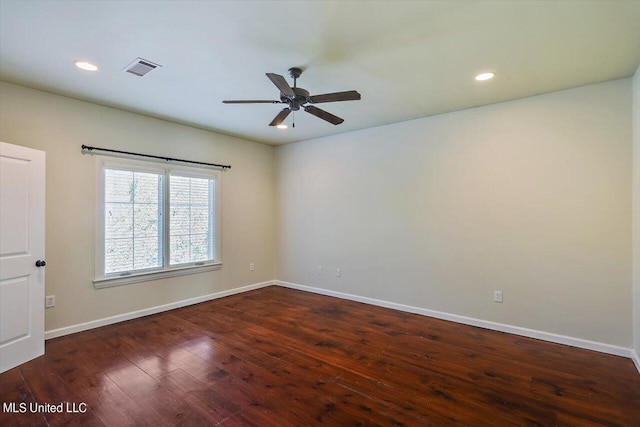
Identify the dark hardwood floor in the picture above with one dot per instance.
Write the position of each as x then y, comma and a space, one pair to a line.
280, 357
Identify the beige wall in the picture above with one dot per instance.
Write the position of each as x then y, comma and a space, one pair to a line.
59, 126
531, 197
636, 215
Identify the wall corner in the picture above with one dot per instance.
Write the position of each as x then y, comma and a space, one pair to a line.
635, 216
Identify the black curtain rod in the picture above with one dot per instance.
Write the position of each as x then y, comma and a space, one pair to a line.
168, 159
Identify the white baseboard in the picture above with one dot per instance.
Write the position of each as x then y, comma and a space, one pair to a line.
54, 333
517, 330
636, 358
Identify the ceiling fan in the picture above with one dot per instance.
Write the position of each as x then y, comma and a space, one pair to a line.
297, 98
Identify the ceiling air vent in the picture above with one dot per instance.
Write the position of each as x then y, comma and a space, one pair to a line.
140, 67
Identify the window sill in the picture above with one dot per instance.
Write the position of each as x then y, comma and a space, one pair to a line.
155, 275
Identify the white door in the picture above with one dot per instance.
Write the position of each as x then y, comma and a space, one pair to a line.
22, 181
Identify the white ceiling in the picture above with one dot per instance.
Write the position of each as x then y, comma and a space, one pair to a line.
408, 59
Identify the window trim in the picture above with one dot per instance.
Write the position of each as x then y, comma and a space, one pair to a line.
167, 270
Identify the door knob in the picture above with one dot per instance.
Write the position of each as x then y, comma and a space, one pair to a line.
40, 263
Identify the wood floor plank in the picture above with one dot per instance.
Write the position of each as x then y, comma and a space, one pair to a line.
280, 357
50, 388
15, 391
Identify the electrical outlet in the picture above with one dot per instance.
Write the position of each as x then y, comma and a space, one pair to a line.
497, 296
252, 267
50, 301
320, 269
338, 272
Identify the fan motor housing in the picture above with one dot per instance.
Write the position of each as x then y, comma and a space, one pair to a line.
301, 97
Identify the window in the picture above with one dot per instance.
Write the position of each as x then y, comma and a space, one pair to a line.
191, 219
155, 222
132, 221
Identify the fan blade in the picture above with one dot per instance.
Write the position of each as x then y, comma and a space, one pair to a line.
350, 95
335, 120
281, 84
280, 117
251, 101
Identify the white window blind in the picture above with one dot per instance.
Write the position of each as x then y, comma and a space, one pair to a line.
192, 219
132, 221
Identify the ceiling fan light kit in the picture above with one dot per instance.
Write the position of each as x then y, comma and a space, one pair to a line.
296, 98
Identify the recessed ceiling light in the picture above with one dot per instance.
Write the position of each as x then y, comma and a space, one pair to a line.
282, 126
485, 76
85, 66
